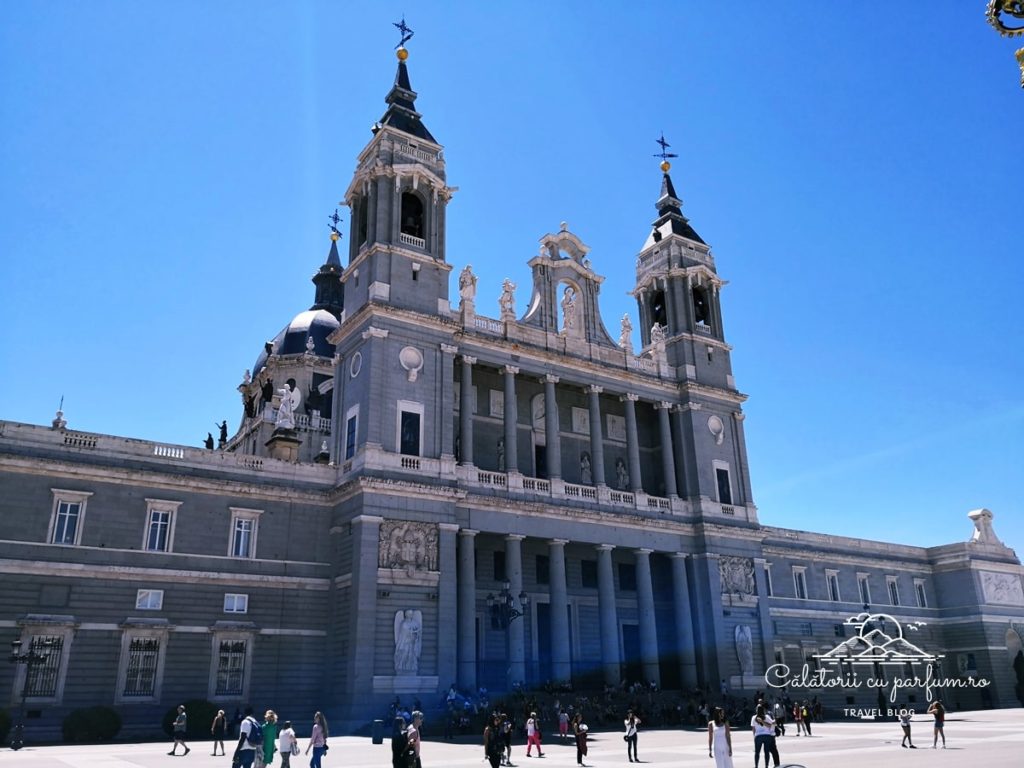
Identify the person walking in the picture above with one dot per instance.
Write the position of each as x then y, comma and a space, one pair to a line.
180, 727
317, 740
938, 711
288, 743
506, 734
581, 743
249, 736
412, 733
269, 738
905, 715
719, 739
399, 744
494, 744
798, 718
805, 714
779, 715
533, 735
218, 728
631, 722
563, 724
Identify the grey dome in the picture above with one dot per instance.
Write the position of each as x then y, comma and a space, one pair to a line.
318, 323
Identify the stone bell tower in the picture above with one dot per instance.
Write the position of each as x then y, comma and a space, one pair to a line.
678, 294
398, 196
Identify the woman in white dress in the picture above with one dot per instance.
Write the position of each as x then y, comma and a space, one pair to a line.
720, 739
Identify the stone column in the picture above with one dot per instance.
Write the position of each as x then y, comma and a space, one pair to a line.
609, 615
684, 623
467, 610
375, 433
447, 377
645, 610
511, 419
447, 603
561, 658
632, 443
363, 599
668, 460
596, 438
554, 445
517, 629
742, 467
466, 412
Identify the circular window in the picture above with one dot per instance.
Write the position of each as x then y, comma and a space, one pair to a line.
355, 364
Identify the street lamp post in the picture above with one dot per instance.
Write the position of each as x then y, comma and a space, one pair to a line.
30, 658
504, 611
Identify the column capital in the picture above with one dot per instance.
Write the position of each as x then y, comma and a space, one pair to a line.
594, 389
449, 349
367, 519
663, 405
604, 547
468, 532
739, 415
691, 406
629, 396
448, 526
513, 369
558, 542
678, 556
761, 562
469, 359
376, 333
515, 536
644, 551
550, 378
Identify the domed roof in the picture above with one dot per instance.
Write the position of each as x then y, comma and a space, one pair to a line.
315, 323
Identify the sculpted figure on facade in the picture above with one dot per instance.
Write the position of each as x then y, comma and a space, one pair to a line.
983, 533
586, 476
569, 310
411, 547
621, 475
467, 284
737, 574
1002, 588
745, 649
625, 335
507, 300
285, 414
658, 334
408, 641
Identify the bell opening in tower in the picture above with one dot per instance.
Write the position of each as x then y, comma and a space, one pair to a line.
658, 314
412, 215
363, 226
700, 305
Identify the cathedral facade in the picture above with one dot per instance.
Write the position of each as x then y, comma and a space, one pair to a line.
420, 494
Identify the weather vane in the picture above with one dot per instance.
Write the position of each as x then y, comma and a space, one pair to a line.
405, 32
334, 219
1013, 26
665, 154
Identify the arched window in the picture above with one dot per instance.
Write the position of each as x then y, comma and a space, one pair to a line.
701, 311
659, 315
364, 221
412, 215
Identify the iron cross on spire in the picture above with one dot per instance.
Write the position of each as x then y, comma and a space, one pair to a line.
664, 154
404, 31
335, 219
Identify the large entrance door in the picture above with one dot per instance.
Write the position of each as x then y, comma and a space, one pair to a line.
632, 667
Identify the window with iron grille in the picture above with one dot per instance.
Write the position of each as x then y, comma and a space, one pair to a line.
42, 675
231, 668
140, 676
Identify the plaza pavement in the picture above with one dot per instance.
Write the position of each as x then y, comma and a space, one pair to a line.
983, 739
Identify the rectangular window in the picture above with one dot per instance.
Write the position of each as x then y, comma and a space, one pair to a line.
922, 598
799, 582
588, 573
140, 673
894, 590
410, 428
234, 603
244, 529
832, 581
351, 431
724, 487
65, 529
543, 569
627, 577
768, 580
159, 533
231, 668
149, 600
43, 675
864, 588
499, 565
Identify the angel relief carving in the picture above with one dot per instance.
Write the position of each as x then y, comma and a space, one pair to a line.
411, 547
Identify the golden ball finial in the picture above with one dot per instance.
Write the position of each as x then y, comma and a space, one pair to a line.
335, 236
402, 54
665, 165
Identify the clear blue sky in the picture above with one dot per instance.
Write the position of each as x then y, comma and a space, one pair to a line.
166, 171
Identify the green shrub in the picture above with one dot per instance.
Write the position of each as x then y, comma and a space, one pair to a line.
5, 725
200, 715
91, 724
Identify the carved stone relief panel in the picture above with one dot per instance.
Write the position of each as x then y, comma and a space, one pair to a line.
411, 547
1002, 588
737, 574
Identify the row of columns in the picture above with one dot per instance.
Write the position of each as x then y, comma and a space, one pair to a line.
552, 433
561, 658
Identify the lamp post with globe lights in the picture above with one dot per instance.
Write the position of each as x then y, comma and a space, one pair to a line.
30, 659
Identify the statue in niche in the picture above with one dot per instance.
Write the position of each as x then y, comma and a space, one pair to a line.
745, 649
408, 641
625, 335
501, 454
507, 301
658, 334
569, 310
467, 284
737, 575
621, 475
586, 477
407, 546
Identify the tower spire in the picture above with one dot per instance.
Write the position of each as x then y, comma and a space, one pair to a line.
330, 293
670, 207
401, 100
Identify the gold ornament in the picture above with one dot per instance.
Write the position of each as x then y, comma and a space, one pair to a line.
665, 165
402, 54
